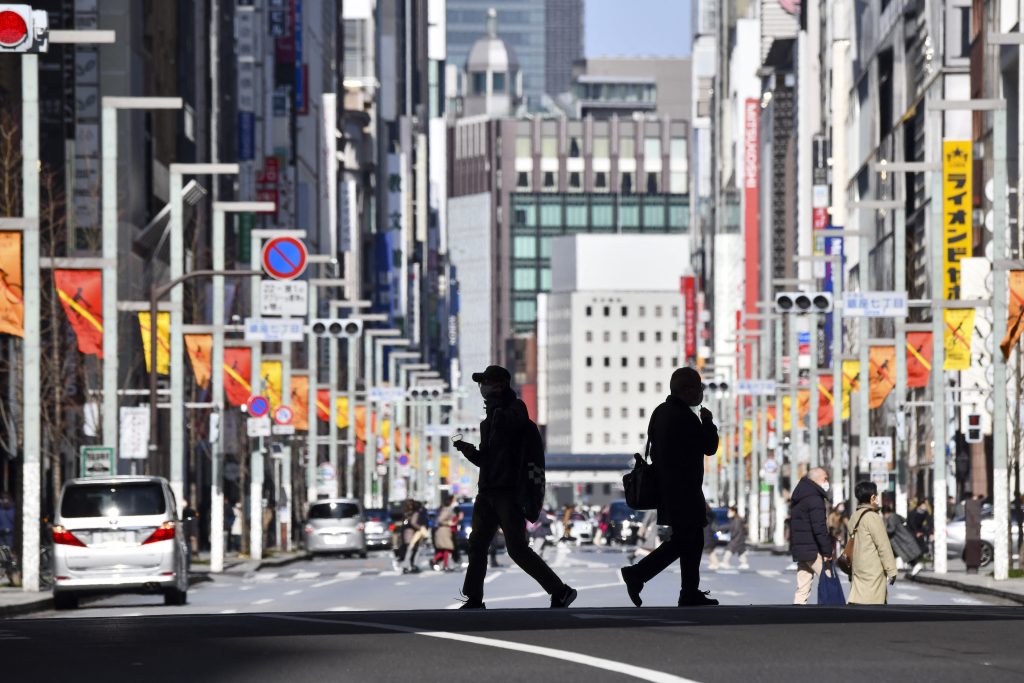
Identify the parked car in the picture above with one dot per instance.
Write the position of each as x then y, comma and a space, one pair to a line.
118, 535
377, 531
581, 528
956, 532
623, 523
335, 526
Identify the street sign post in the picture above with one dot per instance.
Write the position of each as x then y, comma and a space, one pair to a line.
284, 297
755, 387
257, 426
284, 258
386, 394
97, 461
274, 330
875, 305
257, 406
283, 415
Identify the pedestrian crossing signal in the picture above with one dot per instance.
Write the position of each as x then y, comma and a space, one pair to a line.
974, 434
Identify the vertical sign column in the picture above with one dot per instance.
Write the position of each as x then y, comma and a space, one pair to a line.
751, 226
688, 288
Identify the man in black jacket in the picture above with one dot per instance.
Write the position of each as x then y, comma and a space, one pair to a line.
502, 472
809, 540
680, 435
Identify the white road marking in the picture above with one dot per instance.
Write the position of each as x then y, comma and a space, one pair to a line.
229, 611
328, 582
638, 672
294, 592
245, 588
401, 583
731, 594
263, 601
769, 573
543, 594
348, 575
266, 576
783, 580
131, 614
912, 598
306, 575
493, 576
728, 571
344, 608
967, 601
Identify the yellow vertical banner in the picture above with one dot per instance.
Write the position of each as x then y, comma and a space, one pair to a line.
272, 373
957, 209
959, 327
12, 308
163, 341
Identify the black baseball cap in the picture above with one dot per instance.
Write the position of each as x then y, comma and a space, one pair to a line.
492, 375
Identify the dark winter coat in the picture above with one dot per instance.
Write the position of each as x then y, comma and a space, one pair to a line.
808, 532
679, 441
499, 455
737, 536
903, 542
7, 521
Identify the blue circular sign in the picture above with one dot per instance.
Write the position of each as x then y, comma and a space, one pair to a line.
403, 460
284, 258
258, 406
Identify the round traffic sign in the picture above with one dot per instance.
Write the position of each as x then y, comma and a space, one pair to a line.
403, 460
283, 415
284, 258
258, 406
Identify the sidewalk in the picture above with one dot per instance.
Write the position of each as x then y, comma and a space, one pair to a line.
14, 601
238, 565
982, 583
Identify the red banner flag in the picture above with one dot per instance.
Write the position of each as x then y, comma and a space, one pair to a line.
81, 295
881, 374
825, 400
200, 350
237, 374
919, 359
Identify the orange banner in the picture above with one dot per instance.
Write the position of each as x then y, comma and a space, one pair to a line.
803, 404
919, 359
200, 351
237, 374
81, 294
1015, 322
12, 307
825, 400
881, 374
300, 402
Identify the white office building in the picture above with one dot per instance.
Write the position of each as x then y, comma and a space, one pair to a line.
613, 332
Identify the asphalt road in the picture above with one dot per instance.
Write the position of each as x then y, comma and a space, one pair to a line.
671, 645
347, 585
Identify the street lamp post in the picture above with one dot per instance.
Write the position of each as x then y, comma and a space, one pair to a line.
177, 340
111, 105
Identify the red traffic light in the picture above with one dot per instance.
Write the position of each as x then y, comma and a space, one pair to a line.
13, 29
974, 420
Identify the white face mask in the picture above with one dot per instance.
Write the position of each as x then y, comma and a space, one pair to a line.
826, 486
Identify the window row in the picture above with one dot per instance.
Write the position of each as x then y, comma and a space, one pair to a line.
589, 437
678, 181
641, 311
641, 362
606, 412
606, 387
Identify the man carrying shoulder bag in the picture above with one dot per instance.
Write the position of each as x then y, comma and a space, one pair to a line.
681, 434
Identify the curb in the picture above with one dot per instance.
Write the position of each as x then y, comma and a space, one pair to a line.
968, 588
281, 561
39, 605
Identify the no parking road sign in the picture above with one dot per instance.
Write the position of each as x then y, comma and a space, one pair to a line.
284, 258
283, 415
258, 406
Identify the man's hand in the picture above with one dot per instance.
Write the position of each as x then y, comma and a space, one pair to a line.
705, 415
462, 447
892, 580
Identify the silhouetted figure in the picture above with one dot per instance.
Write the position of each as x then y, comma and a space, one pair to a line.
681, 433
502, 472
972, 533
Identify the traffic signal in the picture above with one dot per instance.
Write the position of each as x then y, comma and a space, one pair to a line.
717, 386
336, 327
803, 302
23, 29
425, 392
973, 434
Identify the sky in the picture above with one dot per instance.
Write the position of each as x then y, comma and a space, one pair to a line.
650, 28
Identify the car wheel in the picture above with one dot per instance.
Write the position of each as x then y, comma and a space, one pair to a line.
175, 597
987, 553
65, 601
363, 555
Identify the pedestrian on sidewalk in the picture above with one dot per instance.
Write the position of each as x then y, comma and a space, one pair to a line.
809, 540
507, 458
903, 542
236, 527
737, 540
710, 541
190, 522
972, 533
920, 524
680, 434
444, 536
8, 522
873, 561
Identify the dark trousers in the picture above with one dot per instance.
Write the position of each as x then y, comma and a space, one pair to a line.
686, 545
490, 511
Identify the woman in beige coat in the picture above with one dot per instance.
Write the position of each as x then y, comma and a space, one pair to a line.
873, 560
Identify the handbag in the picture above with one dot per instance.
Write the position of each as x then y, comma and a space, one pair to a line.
830, 589
641, 485
845, 559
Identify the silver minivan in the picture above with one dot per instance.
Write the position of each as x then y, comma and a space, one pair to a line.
335, 525
118, 534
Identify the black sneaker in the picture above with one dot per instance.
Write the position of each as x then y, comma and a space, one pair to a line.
633, 586
565, 598
473, 604
698, 599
